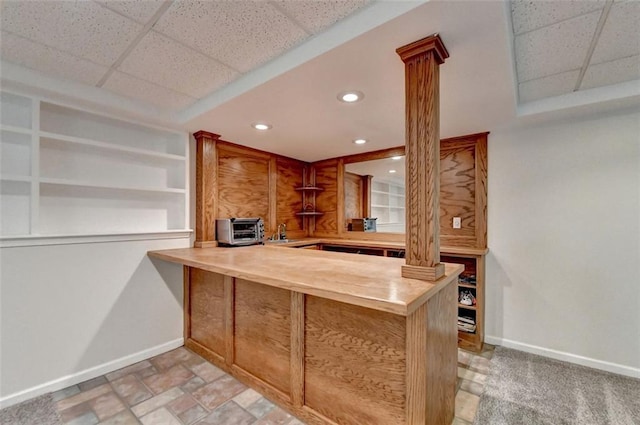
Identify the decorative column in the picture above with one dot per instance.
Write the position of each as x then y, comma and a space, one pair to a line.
206, 188
422, 79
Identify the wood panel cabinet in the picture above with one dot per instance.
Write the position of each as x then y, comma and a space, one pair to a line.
472, 280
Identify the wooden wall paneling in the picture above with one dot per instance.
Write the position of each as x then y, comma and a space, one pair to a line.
262, 332
458, 190
229, 319
289, 201
366, 196
297, 349
244, 184
207, 309
326, 176
353, 196
464, 190
417, 367
482, 166
354, 350
422, 80
273, 196
442, 355
340, 220
206, 187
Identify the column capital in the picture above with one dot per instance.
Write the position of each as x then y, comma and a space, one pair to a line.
205, 134
431, 43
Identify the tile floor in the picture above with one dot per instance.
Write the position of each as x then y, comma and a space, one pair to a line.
181, 388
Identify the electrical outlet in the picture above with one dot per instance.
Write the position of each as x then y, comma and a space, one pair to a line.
457, 223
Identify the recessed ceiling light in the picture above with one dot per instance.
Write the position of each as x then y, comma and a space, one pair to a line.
350, 96
261, 126
396, 158
360, 141
392, 171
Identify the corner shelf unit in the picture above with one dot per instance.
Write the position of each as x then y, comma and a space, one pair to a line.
309, 201
66, 171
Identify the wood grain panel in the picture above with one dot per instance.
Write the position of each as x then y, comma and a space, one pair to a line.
243, 185
263, 332
326, 201
297, 349
207, 310
458, 190
442, 355
289, 200
354, 363
353, 196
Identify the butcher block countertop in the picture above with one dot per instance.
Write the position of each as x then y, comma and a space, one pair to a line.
368, 281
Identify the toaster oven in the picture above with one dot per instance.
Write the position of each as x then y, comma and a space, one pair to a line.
239, 231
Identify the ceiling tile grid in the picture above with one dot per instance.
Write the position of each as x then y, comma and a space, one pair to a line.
240, 34
529, 15
163, 61
620, 35
82, 28
556, 48
139, 11
129, 86
553, 85
48, 60
612, 72
315, 16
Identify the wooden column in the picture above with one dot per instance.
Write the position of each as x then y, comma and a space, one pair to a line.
206, 188
366, 196
422, 60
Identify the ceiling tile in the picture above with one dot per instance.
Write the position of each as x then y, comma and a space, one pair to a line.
136, 88
554, 49
613, 72
315, 15
241, 34
81, 28
528, 15
620, 35
139, 11
553, 85
48, 60
162, 61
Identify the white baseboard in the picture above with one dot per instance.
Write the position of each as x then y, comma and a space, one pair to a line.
76, 378
567, 357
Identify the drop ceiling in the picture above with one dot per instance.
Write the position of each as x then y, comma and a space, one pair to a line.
222, 65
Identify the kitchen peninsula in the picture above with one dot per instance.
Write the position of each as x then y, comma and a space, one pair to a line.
333, 337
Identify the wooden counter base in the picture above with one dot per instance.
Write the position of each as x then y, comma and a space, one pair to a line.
327, 361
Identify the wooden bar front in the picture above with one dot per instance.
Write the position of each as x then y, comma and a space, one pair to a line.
327, 361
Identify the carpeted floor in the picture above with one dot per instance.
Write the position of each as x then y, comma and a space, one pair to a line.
527, 389
38, 411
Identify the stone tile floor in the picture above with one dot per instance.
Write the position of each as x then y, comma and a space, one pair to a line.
181, 388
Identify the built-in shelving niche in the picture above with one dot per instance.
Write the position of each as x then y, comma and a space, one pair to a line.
71, 172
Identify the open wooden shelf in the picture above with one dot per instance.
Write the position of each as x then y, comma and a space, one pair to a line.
310, 188
468, 307
309, 213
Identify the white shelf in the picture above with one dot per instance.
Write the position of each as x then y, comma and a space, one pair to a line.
15, 178
109, 146
78, 183
69, 239
15, 129
387, 206
69, 174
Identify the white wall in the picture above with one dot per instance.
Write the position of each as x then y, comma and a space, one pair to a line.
563, 274
73, 312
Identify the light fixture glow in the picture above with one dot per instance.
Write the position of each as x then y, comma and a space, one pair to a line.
261, 126
396, 158
392, 171
350, 96
360, 141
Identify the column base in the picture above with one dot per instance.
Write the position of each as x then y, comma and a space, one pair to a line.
430, 274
